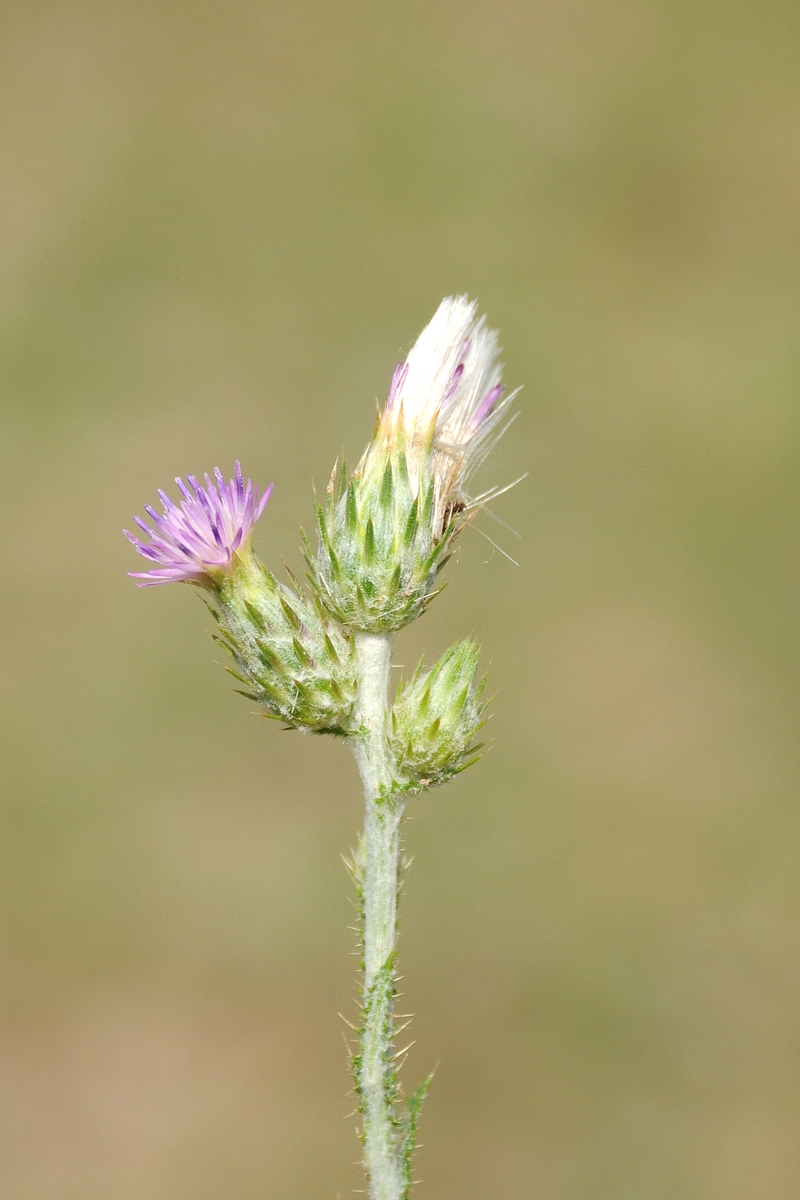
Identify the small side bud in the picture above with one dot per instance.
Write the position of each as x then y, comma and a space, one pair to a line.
437, 717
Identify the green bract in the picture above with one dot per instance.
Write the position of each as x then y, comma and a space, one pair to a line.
295, 662
379, 552
436, 718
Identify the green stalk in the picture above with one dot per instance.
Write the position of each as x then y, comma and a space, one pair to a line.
374, 1066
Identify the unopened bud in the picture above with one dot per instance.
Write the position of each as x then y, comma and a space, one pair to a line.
384, 533
436, 718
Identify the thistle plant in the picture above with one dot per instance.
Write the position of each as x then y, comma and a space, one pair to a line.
317, 657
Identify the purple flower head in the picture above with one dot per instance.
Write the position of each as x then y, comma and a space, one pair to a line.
190, 542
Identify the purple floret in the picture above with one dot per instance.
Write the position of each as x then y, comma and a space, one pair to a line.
398, 379
214, 519
487, 404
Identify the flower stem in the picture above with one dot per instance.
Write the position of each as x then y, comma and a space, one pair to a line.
374, 1066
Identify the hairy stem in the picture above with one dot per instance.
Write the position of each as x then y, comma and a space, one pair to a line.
375, 1068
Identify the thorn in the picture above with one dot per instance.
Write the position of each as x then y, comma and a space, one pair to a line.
349, 1023
405, 1050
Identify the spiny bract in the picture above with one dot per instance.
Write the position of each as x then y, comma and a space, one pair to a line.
296, 663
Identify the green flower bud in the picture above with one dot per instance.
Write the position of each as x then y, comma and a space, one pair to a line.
378, 555
436, 718
294, 661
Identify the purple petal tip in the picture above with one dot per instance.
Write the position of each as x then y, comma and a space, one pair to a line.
202, 534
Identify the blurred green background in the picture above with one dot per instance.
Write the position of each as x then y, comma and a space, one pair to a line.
221, 225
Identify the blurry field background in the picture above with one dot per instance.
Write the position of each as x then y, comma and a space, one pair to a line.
221, 225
